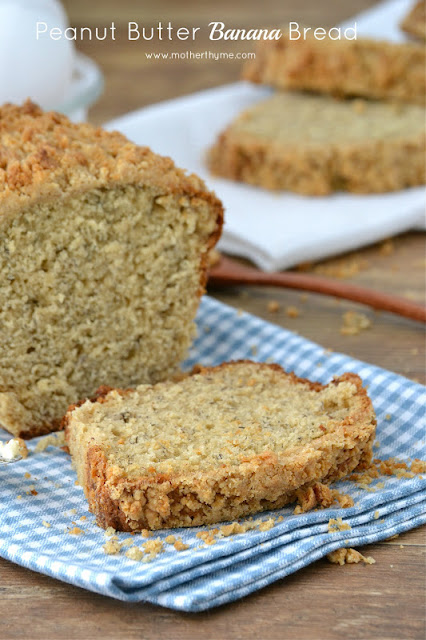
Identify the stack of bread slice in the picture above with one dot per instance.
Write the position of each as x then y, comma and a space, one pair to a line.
356, 123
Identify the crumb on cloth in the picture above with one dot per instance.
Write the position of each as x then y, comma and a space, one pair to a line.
320, 496
53, 439
389, 467
337, 524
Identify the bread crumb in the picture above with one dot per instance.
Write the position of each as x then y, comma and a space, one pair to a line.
145, 533
46, 524
266, 525
231, 529
170, 540
208, 537
134, 553
273, 306
127, 543
19, 497
320, 496
179, 545
389, 467
110, 531
353, 323
376, 515
27, 475
337, 524
388, 417
418, 466
348, 556
153, 547
342, 268
53, 439
83, 518
292, 311
235, 528
76, 531
23, 449
111, 547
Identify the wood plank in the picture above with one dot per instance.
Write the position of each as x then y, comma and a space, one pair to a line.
384, 600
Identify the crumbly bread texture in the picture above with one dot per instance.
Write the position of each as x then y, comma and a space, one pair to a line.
221, 443
362, 67
315, 144
103, 254
414, 22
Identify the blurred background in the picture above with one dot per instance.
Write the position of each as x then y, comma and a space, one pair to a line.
133, 81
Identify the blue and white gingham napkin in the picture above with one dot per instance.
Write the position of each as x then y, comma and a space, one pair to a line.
207, 576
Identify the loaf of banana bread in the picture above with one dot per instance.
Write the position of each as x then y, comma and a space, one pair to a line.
103, 255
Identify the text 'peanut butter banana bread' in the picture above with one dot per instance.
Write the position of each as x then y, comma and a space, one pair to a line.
224, 442
315, 144
362, 67
103, 254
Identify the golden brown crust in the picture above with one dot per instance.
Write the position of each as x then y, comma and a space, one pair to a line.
265, 481
414, 22
362, 67
43, 155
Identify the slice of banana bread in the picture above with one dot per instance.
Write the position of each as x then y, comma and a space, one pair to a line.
414, 22
103, 254
316, 144
221, 443
362, 67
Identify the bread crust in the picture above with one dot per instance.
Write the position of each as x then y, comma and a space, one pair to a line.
261, 482
362, 67
44, 156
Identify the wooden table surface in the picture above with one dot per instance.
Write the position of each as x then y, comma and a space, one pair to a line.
323, 601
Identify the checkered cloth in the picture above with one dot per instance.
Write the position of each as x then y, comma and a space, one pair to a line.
207, 576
